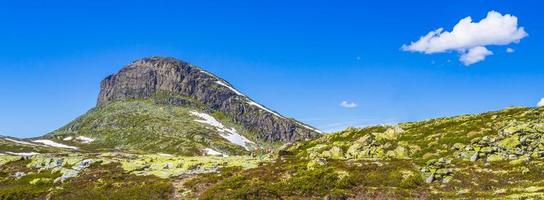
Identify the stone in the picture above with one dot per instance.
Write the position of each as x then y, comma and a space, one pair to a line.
447, 179
474, 157
19, 174
442, 171
314, 163
510, 142
494, 158
84, 164
334, 153
429, 179
389, 134
487, 150
458, 146
399, 153
168, 166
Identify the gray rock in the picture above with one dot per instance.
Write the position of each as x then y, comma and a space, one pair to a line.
430, 179
19, 174
146, 77
84, 164
168, 166
474, 157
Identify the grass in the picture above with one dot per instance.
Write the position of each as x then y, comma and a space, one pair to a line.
148, 126
312, 169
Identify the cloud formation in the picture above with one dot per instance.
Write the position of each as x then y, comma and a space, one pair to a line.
347, 104
470, 38
540, 103
475, 55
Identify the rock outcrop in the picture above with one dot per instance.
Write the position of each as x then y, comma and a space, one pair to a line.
146, 77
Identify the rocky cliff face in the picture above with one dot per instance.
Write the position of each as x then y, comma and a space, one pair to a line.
145, 77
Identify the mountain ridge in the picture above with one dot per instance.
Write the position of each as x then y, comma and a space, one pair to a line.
145, 77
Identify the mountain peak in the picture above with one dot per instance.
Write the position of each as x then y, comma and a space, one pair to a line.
146, 77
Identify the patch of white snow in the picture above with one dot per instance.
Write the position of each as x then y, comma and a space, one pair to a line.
68, 138
229, 134
18, 141
229, 87
22, 153
314, 129
85, 140
264, 108
211, 152
54, 144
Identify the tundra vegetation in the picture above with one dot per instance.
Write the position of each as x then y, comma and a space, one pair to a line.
489, 155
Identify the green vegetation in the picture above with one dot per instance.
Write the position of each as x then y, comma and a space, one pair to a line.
156, 125
485, 156
489, 155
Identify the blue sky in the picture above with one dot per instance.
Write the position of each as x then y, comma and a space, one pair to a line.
300, 58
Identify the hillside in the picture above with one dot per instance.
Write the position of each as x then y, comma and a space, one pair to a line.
489, 155
494, 155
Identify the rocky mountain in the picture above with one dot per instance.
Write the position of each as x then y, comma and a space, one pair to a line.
164, 105
149, 76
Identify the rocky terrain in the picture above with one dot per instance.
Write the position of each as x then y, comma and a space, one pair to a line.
145, 78
494, 155
162, 130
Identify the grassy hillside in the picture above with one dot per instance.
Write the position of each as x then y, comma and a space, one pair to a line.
489, 155
150, 126
494, 155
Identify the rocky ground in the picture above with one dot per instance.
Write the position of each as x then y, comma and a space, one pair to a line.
495, 155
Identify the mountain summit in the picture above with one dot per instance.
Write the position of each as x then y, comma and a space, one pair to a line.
147, 77
167, 105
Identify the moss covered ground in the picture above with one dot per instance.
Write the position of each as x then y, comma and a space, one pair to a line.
153, 125
494, 155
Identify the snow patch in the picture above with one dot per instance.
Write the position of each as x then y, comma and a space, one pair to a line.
208, 73
308, 127
85, 140
207, 119
229, 134
211, 152
18, 141
54, 144
229, 87
22, 153
264, 108
165, 155
68, 138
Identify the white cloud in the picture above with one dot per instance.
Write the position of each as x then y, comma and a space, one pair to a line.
475, 55
471, 37
347, 104
510, 50
540, 103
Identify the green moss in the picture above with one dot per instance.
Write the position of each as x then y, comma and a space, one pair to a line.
112, 182
150, 126
510, 142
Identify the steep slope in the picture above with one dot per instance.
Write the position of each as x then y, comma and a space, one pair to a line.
490, 155
169, 106
146, 77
